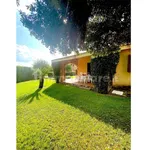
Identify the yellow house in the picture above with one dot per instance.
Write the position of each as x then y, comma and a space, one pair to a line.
82, 62
123, 69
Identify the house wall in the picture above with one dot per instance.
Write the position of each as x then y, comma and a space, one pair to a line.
122, 76
82, 64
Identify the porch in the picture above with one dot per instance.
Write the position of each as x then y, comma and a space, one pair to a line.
78, 83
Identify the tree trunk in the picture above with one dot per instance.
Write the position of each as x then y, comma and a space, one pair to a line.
41, 82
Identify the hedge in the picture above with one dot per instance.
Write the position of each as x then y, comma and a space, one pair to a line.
24, 74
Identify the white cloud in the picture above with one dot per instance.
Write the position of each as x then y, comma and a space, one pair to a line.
26, 56
27, 64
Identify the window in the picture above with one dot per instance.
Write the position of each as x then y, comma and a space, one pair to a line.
89, 68
129, 63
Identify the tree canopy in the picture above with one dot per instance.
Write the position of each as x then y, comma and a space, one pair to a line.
43, 66
69, 25
56, 25
41, 69
108, 29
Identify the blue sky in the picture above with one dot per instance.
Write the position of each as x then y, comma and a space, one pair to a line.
28, 49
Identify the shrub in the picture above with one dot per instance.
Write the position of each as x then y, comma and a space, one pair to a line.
103, 70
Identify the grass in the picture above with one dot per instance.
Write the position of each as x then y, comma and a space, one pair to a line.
65, 117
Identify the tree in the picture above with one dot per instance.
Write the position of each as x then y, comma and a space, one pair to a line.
107, 30
59, 25
104, 68
44, 67
99, 26
62, 24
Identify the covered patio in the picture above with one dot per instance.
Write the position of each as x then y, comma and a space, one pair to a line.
82, 78
78, 83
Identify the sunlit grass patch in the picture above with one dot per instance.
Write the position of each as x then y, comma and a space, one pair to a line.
66, 117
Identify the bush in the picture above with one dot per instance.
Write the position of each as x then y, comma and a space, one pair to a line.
103, 70
24, 74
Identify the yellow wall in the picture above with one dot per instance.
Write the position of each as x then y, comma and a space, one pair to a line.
122, 77
82, 64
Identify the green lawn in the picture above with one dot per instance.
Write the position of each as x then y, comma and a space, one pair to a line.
65, 117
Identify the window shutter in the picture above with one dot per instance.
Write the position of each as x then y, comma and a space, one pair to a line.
129, 63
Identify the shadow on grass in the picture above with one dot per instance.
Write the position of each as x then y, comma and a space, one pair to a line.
30, 97
109, 109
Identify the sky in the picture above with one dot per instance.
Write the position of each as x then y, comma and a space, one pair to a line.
28, 48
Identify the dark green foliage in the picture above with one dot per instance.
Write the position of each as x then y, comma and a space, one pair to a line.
56, 69
108, 28
63, 24
99, 27
57, 24
24, 74
103, 70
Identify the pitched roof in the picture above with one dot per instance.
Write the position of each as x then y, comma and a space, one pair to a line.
72, 57
124, 47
